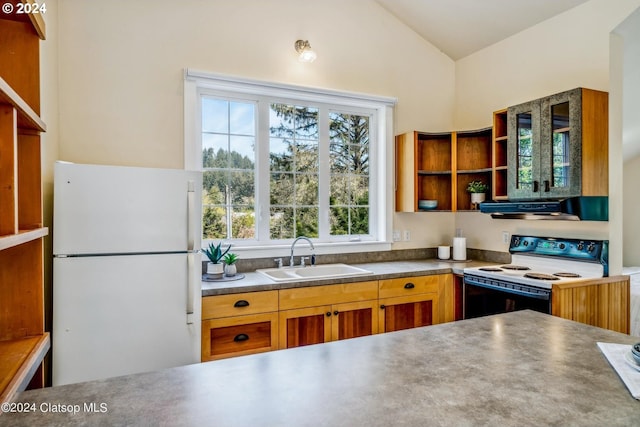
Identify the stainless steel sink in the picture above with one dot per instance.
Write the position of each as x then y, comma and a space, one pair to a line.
317, 272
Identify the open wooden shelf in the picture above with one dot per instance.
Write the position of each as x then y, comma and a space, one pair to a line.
439, 166
19, 361
23, 236
26, 117
499, 156
23, 340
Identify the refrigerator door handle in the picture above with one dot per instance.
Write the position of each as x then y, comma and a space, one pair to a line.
191, 216
191, 286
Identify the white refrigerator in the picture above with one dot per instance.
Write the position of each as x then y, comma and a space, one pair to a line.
126, 270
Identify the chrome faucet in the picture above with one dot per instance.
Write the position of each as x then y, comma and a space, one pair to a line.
313, 257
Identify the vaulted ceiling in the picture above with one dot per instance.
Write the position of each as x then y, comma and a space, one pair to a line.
461, 27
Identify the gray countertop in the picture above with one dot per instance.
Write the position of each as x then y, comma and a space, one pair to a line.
380, 270
515, 369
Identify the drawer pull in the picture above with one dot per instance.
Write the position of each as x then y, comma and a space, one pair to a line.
241, 337
241, 303
409, 286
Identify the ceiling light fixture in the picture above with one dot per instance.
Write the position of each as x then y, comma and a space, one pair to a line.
304, 49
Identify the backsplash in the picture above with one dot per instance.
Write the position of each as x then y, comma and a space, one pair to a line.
247, 265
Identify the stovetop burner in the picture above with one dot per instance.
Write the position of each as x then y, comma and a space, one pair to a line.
541, 276
570, 275
515, 267
490, 269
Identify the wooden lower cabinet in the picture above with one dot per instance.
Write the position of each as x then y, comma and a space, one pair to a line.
239, 324
318, 314
602, 302
315, 325
239, 335
305, 326
407, 312
253, 322
409, 302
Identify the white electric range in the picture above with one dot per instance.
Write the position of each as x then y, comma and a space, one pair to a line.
536, 264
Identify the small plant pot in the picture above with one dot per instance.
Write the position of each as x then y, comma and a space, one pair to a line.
476, 199
215, 270
230, 270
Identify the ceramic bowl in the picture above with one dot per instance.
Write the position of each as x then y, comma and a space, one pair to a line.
427, 204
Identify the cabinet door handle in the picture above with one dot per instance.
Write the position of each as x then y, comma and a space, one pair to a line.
409, 286
382, 307
241, 337
335, 313
547, 186
241, 303
328, 314
536, 186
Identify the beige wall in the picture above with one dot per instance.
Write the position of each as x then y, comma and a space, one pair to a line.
570, 50
121, 65
50, 141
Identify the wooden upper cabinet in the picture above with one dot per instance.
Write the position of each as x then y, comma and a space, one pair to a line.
558, 146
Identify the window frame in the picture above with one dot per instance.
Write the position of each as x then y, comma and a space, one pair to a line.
198, 84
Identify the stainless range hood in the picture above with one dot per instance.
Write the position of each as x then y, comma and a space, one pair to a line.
584, 208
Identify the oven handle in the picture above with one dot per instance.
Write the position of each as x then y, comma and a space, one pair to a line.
511, 288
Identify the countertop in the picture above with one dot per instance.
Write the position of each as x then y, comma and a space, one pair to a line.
515, 369
380, 270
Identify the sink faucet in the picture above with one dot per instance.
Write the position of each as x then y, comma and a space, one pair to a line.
294, 244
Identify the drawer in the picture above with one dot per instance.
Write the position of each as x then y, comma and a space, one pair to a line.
314, 296
237, 336
220, 306
409, 285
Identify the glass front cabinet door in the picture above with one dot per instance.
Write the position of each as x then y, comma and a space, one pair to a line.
544, 148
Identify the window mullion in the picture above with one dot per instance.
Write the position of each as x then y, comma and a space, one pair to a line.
324, 173
262, 172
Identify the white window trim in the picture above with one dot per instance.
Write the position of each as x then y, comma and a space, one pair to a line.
195, 81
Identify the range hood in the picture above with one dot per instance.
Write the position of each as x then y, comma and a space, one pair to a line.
585, 208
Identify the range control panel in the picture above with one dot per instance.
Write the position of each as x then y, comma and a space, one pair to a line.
577, 249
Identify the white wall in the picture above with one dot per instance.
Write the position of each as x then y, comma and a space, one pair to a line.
121, 65
629, 34
570, 50
631, 213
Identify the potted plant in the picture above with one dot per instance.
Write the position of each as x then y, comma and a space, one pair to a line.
215, 254
230, 268
477, 189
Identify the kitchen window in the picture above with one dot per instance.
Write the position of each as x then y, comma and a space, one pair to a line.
283, 161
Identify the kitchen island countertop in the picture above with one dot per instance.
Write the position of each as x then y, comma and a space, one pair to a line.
380, 270
515, 369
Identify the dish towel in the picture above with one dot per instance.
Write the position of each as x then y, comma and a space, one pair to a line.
615, 354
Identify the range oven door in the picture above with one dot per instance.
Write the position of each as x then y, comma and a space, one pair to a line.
483, 296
